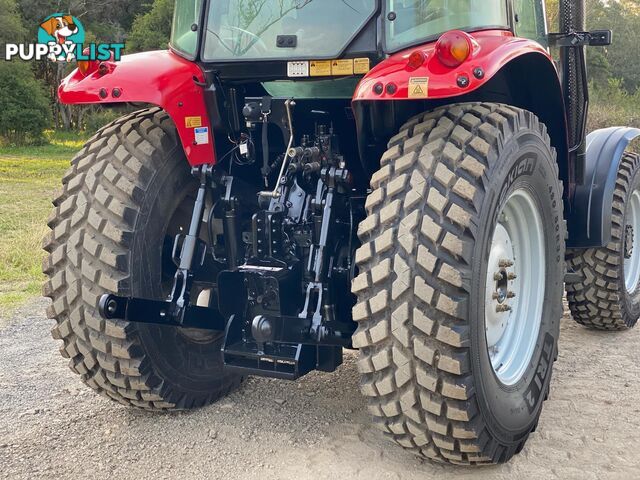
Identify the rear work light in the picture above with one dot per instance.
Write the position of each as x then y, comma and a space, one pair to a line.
454, 48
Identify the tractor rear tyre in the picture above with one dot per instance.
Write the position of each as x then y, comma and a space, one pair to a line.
608, 297
460, 283
127, 194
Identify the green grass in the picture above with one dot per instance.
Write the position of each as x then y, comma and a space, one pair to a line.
29, 176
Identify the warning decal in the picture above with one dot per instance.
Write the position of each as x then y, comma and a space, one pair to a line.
339, 68
361, 65
320, 68
342, 67
419, 87
193, 122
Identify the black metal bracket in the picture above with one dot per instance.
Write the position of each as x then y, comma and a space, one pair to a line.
177, 310
597, 38
113, 307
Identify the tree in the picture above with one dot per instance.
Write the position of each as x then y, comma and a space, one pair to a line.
623, 17
11, 28
152, 30
108, 20
23, 103
104, 21
622, 59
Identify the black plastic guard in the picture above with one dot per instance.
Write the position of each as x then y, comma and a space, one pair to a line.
589, 223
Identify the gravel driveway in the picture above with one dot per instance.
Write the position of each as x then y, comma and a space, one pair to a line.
51, 426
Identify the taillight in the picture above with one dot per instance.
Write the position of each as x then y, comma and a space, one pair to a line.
87, 67
454, 48
416, 60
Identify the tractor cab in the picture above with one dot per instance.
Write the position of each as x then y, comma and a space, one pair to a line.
296, 30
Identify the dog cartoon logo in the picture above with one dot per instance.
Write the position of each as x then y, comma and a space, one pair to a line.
61, 38
64, 30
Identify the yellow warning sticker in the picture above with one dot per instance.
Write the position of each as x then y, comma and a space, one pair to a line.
361, 65
342, 67
419, 87
320, 68
193, 122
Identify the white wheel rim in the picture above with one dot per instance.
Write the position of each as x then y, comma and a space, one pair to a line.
632, 244
515, 287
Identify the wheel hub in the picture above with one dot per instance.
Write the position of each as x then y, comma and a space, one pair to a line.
632, 244
628, 241
499, 296
515, 287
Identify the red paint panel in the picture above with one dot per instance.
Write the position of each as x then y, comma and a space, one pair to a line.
493, 50
161, 78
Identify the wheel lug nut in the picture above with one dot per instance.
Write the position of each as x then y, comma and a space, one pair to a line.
503, 308
497, 276
505, 263
511, 295
511, 276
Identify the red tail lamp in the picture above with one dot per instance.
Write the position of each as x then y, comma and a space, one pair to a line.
454, 48
87, 67
416, 60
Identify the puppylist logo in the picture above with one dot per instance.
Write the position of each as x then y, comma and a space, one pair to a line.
62, 38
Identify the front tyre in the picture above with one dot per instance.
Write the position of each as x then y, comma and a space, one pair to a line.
608, 297
460, 284
128, 193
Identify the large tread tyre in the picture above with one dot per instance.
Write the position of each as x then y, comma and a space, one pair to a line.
424, 359
109, 235
602, 300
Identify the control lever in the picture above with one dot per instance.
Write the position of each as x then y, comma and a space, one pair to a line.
291, 153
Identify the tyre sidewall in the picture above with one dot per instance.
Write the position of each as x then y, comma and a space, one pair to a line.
526, 161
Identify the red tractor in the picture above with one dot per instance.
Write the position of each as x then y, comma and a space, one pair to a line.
410, 178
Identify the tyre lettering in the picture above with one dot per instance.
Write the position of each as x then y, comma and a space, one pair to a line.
524, 166
535, 388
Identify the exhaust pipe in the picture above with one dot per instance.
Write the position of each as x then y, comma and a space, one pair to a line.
573, 18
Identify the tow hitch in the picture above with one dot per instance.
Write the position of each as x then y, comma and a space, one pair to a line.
283, 265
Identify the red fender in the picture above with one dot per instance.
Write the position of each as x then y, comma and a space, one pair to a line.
160, 78
495, 48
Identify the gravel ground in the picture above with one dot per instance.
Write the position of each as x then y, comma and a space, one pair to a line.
51, 426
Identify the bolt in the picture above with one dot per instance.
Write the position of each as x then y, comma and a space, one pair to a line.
112, 307
503, 308
463, 81
505, 263
511, 295
497, 276
511, 276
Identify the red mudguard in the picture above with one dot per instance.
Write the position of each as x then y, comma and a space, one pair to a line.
160, 78
433, 80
